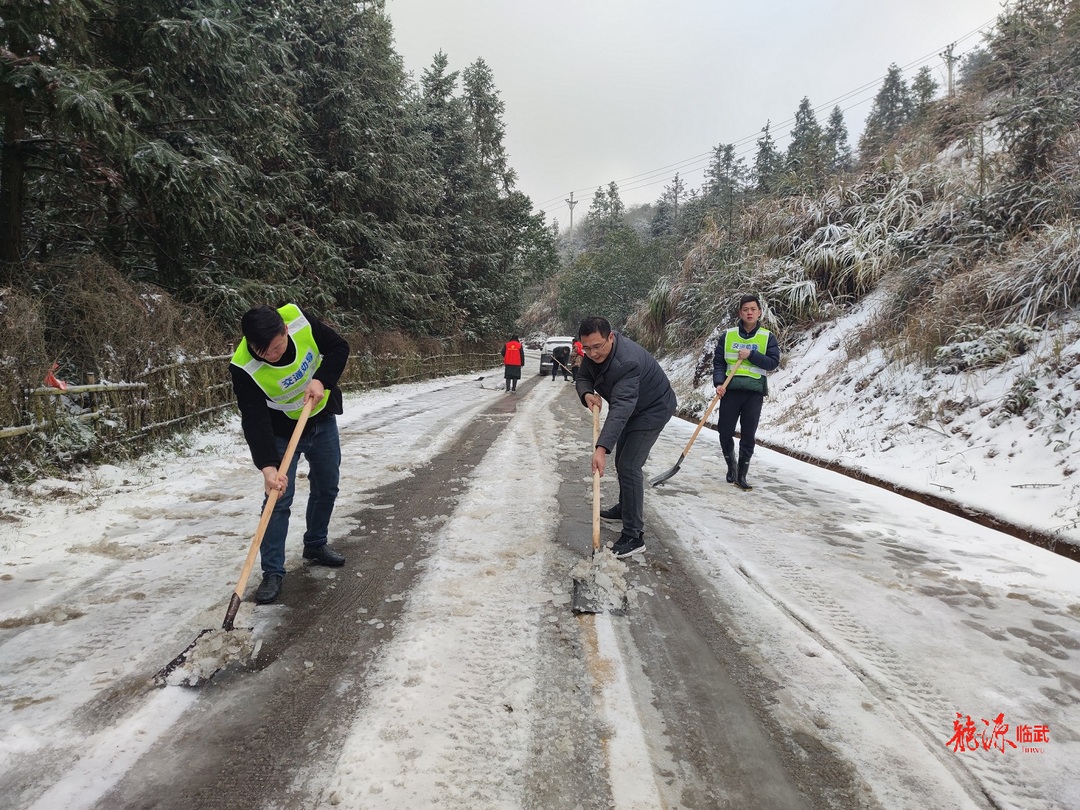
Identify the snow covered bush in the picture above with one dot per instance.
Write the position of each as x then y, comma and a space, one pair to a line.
979, 347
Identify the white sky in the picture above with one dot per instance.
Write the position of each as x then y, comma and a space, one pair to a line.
635, 90
879, 619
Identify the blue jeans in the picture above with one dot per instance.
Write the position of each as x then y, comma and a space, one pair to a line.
322, 449
631, 451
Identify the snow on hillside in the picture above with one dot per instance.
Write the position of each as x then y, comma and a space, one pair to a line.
950, 435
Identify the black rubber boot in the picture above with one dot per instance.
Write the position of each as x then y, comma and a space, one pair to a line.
729, 457
740, 478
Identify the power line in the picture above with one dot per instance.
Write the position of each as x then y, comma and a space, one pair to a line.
699, 162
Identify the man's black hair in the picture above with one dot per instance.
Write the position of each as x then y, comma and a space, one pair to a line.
592, 325
746, 299
260, 325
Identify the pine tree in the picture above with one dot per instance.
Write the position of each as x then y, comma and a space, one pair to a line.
768, 163
725, 178
604, 218
805, 159
1036, 57
485, 113
923, 88
837, 148
203, 189
662, 223
892, 108
484, 226
61, 126
674, 194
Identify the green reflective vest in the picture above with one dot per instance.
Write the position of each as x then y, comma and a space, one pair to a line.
748, 376
284, 385
733, 342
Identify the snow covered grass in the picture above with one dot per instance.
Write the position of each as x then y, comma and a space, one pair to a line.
1002, 438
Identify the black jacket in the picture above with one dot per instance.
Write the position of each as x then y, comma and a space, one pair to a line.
260, 423
561, 355
637, 390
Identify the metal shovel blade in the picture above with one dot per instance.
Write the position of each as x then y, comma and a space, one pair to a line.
161, 677
204, 657
597, 590
665, 476
585, 598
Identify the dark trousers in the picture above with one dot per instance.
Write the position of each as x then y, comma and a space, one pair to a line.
743, 407
322, 449
631, 452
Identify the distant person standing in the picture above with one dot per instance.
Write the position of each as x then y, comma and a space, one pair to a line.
760, 353
640, 402
560, 361
575, 362
513, 356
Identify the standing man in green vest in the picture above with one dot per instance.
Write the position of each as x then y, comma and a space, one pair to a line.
286, 359
742, 400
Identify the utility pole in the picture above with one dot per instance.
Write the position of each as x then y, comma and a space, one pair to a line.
676, 217
571, 202
947, 55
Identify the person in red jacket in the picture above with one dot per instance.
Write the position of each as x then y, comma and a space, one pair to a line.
575, 362
513, 356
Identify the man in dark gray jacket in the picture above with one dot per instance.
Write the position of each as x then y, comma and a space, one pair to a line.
640, 402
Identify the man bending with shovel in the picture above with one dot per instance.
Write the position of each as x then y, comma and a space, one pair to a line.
640, 402
286, 358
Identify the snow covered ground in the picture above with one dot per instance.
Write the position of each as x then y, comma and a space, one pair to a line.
888, 626
949, 435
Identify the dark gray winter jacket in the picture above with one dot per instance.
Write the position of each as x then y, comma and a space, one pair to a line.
636, 389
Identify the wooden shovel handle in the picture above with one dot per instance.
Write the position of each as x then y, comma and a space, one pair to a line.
264, 520
595, 484
713, 404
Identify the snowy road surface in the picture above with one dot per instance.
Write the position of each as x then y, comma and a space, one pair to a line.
815, 643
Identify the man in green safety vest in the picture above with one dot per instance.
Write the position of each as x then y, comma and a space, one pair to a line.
745, 394
287, 358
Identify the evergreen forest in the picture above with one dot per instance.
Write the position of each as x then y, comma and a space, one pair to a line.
166, 164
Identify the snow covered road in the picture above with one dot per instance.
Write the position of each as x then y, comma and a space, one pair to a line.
810, 644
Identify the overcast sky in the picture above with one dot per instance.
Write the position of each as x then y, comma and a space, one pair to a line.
636, 90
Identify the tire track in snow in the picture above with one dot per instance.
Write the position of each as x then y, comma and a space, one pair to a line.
451, 707
804, 606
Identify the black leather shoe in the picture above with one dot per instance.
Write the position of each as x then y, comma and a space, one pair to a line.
612, 512
323, 555
269, 590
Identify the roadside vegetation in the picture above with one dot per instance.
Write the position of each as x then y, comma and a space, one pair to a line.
962, 206
165, 168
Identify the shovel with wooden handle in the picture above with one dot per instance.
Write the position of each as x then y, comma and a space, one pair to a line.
686, 450
595, 485
595, 585
207, 654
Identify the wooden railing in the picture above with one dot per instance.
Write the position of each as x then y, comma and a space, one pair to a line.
99, 419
